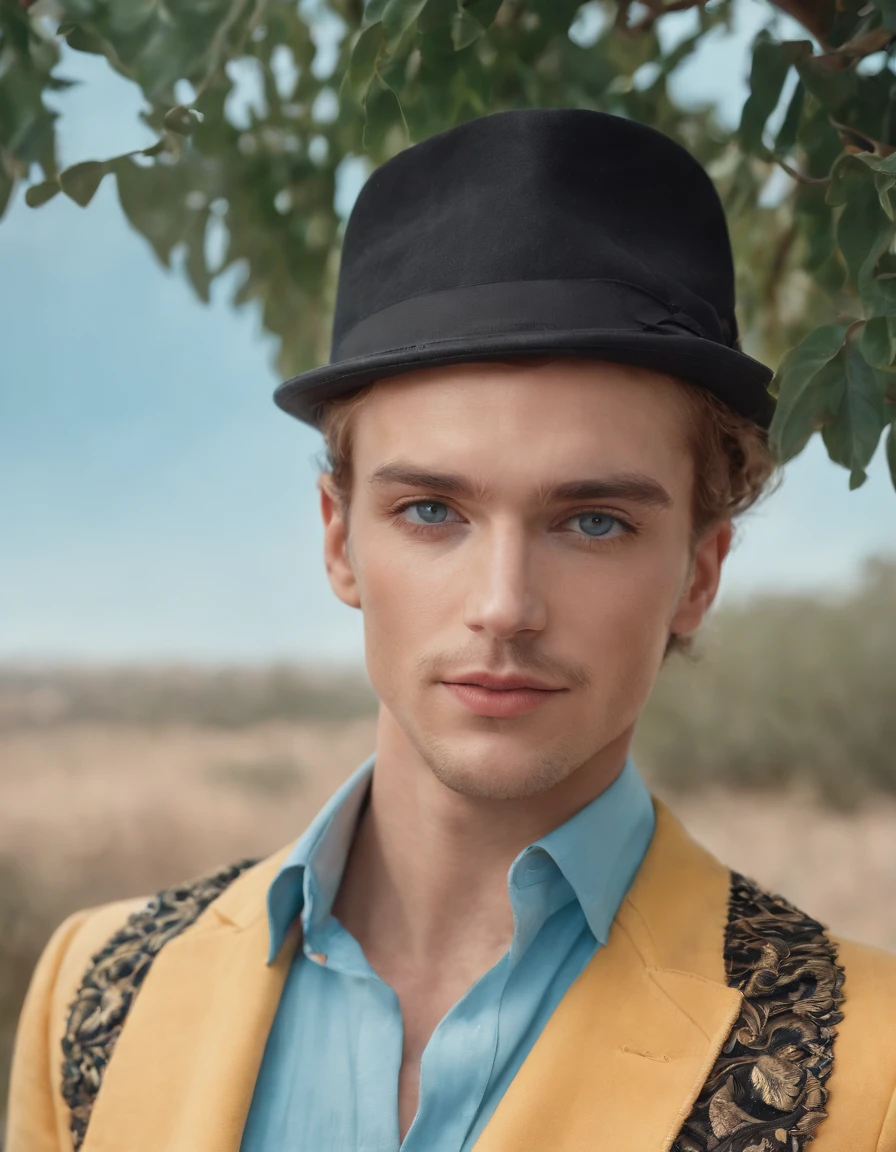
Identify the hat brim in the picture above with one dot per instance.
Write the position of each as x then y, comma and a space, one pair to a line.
734, 377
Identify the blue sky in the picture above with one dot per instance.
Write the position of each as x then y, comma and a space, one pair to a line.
155, 504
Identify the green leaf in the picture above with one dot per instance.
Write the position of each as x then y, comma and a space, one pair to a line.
835, 89
830, 276
854, 433
364, 59
879, 296
435, 15
471, 21
815, 220
802, 397
877, 286
398, 16
891, 452
816, 132
83, 41
883, 184
127, 17
247, 291
876, 343
60, 84
373, 13
383, 114
485, 11
863, 232
848, 177
195, 263
883, 164
39, 194
767, 75
153, 200
785, 141
857, 478
464, 29
81, 181
5, 191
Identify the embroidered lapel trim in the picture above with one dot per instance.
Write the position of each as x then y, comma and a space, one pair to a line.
113, 979
767, 1088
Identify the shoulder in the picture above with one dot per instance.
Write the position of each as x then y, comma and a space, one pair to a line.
68, 953
80, 992
116, 942
82, 935
869, 1003
833, 1000
862, 1085
112, 967
37, 1119
868, 969
71, 953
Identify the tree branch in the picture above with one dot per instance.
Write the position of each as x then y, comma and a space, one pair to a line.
798, 176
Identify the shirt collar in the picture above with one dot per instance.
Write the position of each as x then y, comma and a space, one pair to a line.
597, 852
309, 877
592, 857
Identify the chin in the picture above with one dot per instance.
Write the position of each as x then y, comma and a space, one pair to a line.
502, 770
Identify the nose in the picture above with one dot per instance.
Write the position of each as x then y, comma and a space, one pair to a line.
504, 596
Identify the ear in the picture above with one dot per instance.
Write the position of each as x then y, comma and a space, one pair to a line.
703, 579
336, 550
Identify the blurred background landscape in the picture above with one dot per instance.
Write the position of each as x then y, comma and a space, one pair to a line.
180, 688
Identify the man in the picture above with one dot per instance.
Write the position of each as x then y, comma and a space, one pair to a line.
540, 428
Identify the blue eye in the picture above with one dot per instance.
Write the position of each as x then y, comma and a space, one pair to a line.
427, 504
606, 524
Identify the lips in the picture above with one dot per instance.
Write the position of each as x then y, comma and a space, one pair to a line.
503, 703
502, 683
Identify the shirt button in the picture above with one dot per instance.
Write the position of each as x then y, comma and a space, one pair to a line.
318, 957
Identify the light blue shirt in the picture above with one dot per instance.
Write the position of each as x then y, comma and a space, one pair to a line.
328, 1081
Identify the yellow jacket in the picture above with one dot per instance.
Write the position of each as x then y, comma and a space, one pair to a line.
618, 1067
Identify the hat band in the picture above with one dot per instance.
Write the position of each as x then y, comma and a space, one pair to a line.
529, 305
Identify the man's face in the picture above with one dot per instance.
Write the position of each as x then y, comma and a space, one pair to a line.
579, 592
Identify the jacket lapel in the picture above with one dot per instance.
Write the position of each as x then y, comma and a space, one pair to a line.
184, 1067
628, 1049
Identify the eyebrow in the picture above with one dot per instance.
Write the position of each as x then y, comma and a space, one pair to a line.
634, 487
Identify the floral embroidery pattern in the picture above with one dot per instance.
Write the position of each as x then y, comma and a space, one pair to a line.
766, 1092
113, 979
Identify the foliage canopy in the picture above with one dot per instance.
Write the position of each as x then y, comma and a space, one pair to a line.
808, 178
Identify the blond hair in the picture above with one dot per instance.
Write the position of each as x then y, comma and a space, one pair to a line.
734, 463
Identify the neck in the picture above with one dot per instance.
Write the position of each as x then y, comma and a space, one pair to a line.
426, 877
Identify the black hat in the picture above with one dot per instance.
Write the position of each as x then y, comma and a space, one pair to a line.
537, 231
